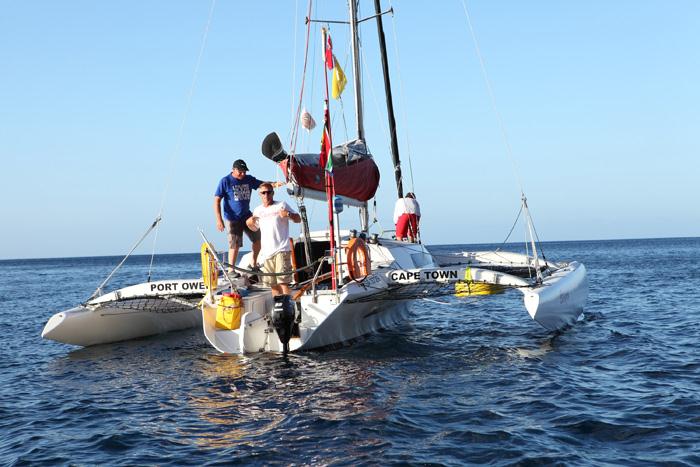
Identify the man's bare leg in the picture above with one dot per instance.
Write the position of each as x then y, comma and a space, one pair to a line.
232, 256
256, 250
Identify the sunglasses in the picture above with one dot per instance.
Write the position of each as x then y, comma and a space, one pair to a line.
266, 192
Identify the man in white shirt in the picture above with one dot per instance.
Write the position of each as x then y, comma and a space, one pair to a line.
272, 218
406, 218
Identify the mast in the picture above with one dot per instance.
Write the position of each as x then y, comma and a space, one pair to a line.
528, 219
389, 100
356, 69
356, 73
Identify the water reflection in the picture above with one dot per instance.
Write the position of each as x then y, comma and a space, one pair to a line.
543, 349
244, 398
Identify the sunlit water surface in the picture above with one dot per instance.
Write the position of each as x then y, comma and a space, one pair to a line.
463, 381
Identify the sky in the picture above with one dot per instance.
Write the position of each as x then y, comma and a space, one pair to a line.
115, 112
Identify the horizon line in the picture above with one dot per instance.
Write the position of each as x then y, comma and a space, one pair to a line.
38, 258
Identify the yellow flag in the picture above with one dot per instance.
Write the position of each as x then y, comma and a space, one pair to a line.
339, 79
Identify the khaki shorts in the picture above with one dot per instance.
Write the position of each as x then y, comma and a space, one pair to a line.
235, 233
279, 262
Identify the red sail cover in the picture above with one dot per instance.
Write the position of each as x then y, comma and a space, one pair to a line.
355, 173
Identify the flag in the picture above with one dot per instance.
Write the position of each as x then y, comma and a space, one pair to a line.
328, 50
339, 79
326, 160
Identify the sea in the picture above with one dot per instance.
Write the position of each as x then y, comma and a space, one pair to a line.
463, 381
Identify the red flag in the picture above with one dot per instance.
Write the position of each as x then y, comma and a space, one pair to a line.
328, 51
325, 160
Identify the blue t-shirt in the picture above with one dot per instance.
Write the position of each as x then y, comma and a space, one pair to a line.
236, 196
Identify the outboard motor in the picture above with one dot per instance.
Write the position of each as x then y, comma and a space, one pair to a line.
283, 315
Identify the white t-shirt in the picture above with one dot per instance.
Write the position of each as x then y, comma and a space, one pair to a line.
406, 206
274, 230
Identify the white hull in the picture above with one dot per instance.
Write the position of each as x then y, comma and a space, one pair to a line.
400, 273
327, 319
350, 321
129, 313
555, 303
559, 301
323, 324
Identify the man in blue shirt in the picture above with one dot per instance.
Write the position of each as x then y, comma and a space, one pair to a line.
235, 189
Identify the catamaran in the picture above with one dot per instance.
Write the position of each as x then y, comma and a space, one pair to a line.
350, 282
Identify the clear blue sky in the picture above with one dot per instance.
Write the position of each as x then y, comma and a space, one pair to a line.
601, 101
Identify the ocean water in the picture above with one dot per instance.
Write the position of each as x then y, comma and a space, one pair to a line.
464, 381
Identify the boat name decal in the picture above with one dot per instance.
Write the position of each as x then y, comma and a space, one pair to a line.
369, 281
425, 275
563, 297
178, 286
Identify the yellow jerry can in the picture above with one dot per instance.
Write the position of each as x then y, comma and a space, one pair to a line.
228, 311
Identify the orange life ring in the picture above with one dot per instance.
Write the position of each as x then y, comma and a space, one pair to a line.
359, 263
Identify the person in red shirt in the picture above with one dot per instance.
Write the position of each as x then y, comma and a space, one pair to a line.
407, 217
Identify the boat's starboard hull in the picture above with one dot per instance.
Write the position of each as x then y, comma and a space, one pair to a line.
560, 299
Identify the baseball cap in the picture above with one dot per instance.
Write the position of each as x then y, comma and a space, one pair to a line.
240, 165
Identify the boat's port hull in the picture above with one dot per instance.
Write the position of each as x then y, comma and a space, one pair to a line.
84, 326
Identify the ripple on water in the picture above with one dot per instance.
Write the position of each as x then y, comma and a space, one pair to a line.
466, 382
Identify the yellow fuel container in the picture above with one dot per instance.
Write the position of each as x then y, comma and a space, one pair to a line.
228, 311
468, 287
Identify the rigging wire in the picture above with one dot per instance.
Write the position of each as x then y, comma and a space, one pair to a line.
403, 100
172, 162
527, 252
537, 237
383, 125
314, 53
178, 145
294, 66
98, 291
494, 107
513, 227
501, 123
295, 128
